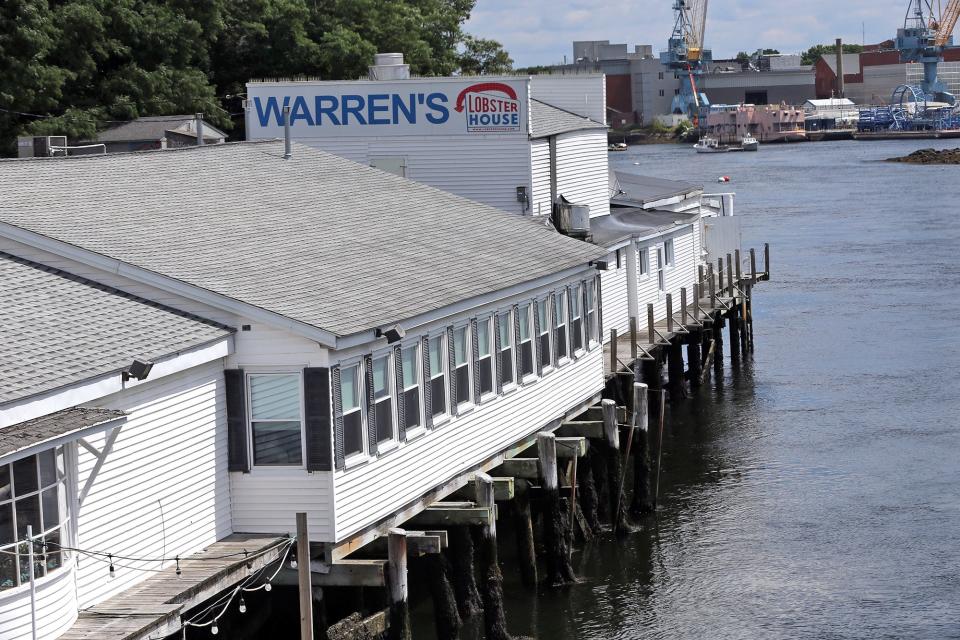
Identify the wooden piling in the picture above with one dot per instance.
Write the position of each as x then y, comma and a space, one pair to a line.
712, 287
739, 272
675, 369
766, 259
446, 617
526, 547
642, 502
693, 358
730, 282
587, 498
700, 276
494, 618
397, 584
683, 306
651, 328
744, 328
753, 266
616, 473
733, 322
720, 275
464, 579
750, 313
717, 329
303, 578
559, 569
696, 302
669, 314
614, 363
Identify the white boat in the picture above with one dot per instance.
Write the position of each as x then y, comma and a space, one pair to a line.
617, 146
749, 143
707, 144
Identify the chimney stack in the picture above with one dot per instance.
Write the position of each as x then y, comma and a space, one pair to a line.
839, 67
198, 120
287, 145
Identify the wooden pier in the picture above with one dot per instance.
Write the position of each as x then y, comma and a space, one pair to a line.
152, 608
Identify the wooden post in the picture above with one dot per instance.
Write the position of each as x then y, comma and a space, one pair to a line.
633, 339
700, 276
750, 313
651, 330
766, 259
753, 265
445, 615
615, 471
730, 282
720, 276
559, 569
614, 365
464, 578
696, 303
718, 344
642, 500
693, 359
712, 287
526, 548
683, 305
303, 578
494, 619
734, 332
744, 327
675, 370
669, 314
736, 257
397, 584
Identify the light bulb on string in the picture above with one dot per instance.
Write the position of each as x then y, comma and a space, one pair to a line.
178, 565
293, 562
243, 605
113, 572
267, 587
214, 629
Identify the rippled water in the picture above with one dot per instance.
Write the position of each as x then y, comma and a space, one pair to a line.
816, 493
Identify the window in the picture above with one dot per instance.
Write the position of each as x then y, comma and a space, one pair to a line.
411, 386
619, 259
506, 348
660, 282
575, 321
461, 363
350, 397
32, 493
668, 252
390, 164
591, 312
275, 419
661, 93
660, 76
438, 389
643, 262
383, 397
526, 342
543, 318
560, 310
485, 356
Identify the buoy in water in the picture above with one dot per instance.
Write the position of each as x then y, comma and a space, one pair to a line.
723, 179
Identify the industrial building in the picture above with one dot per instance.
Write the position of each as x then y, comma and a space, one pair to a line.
869, 78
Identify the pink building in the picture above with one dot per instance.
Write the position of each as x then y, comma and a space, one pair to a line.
767, 123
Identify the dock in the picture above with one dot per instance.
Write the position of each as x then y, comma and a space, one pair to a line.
153, 608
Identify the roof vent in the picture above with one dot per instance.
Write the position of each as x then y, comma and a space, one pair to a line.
573, 219
389, 66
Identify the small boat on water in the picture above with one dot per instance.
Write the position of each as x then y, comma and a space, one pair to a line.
617, 146
749, 143
707, 144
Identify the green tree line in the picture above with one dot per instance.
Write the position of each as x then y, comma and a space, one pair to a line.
73, 67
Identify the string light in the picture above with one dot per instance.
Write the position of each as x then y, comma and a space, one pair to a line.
113, 572
243, 605
214, 629
178, 565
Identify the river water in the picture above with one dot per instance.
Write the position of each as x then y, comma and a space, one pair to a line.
816, 492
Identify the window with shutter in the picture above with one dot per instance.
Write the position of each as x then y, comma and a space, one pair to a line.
524, 341
461, 365
351, 401
383, 398
475, 354
590, 304
427, 399
275, 419
318, 418
541, 329
238, 458
576, 322
485, 367
339, 449
412, 411
505, 336
438, 378
398, 391
451, 368
560, 322
370, 414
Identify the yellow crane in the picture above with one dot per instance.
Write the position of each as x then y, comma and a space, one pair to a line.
948, 20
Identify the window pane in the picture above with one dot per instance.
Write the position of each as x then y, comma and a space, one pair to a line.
436, 356
6, 524
276, 443
54, 558
506, 366
275, 397
411, 366
542, 316
384, 420
381, 377
483, 337
463, 385
561, 342
48, 467
577, 336
562, 308
506, 335
438, 396
353, 433
589, 298
25, 475
5, 488
486, 375
526, 357
524, 323
411, 408
28, 512
349, 395
61, 465
51, 508
545, 348
460, 346
575, 302
8, 569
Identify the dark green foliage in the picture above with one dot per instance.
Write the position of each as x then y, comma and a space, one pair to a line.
84, 63
811, 55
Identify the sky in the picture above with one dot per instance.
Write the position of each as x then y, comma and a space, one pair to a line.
542, 31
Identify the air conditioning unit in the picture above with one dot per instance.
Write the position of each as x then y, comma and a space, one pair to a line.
572, 219
41, 146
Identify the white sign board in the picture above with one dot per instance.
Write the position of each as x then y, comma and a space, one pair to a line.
437, 106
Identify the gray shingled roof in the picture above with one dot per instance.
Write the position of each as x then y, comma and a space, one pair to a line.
316, 238
59, 329
548, 120
18, 437
154, 128
623, 223
632, 190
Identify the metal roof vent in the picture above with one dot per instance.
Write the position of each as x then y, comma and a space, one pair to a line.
389, 66
573, 219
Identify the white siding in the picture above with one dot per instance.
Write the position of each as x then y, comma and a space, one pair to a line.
263, 346
267, 500
163, 490
56, 607
682, 274
647, 290
373, 491
613, 287
582, 174
585, 94
540, 177
485, 168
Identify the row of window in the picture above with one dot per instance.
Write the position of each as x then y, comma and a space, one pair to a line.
388, 396
31, 494
664, 259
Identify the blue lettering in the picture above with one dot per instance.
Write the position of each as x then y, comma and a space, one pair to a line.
373, 108
409, 110
327, 105
437, 102
352, 104
273, 111
300, 111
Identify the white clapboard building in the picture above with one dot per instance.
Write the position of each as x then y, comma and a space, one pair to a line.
178, 366
516, 143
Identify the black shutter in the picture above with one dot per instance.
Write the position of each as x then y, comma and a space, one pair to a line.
451, 372
517, 357
319, 421
476, 360
238, 458
338, 454
371, 406
536, 337
554, 321
427, 391
401, 406
583, 315
496, 353
599, 300
570, 350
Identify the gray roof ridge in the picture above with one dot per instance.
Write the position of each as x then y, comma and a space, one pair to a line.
114, 291
567, 111
115, 154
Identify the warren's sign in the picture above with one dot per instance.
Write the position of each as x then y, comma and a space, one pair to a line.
405, 107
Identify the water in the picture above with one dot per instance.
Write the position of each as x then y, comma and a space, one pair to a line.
816, 494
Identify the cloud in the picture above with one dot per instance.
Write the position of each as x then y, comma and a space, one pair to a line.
542, 31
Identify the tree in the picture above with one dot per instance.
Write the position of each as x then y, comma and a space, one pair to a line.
814, 53
482, 56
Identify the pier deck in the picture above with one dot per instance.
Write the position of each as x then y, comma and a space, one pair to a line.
153, 607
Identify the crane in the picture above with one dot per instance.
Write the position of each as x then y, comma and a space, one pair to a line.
923, 38
685, 55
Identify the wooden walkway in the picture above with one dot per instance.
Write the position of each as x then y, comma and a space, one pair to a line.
152, 608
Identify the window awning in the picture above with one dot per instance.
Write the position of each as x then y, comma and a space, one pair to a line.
26, 438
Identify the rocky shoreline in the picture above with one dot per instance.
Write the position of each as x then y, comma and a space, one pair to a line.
930, 156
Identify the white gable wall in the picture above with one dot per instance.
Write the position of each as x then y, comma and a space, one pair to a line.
582, 172
613, 283
583, 94
540, 177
